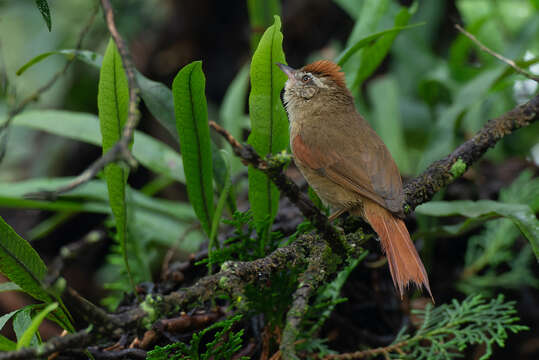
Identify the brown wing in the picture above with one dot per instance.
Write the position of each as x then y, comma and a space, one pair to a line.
354, 157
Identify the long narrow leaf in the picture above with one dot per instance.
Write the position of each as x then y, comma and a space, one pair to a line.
153, 154
521, 215
269, 125
192, 122
43, 8
368, 21
87, 56
352, 7
372, 55
384, 95
21, 263
113, 102
6, 344
369, 39
5, 318
21, 322
156, 96
23, 266
442, 134
232, 112
222, 173
30, 332
9, 286
220, 205
88, 197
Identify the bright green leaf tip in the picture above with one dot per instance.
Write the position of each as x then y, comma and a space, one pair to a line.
28, 334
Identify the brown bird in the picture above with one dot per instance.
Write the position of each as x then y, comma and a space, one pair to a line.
347, 164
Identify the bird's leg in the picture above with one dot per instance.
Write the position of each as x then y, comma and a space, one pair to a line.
336, 214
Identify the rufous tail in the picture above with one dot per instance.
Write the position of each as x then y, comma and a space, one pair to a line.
404, 262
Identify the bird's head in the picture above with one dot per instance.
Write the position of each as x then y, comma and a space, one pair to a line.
320, 82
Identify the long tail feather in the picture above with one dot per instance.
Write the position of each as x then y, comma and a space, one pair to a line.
404, 262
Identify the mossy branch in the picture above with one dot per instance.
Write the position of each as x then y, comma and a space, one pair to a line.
443, 172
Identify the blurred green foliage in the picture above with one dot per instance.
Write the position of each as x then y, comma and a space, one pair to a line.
424, 90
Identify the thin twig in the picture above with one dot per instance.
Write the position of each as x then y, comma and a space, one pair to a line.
4, 128
132, 354
71, 252
70, 341
509, 62
385, 350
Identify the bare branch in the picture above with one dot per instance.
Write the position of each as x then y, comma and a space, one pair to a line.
509, 62
70, 341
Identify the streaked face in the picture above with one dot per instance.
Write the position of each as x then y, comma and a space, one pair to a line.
300, 84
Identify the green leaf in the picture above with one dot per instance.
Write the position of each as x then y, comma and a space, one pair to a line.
227, 186
5, 318
6, 344
269, 124
162, 219
261, 14
94, 194
22, 265
384, 95
9, 286
192, 123
442, 135
372, 55
87, 56
50, 224
232, 113
352, 7
43, 8
152, 153
343, 58
158, 98
21, 322
370, 16
521, 215
222, 174
113, 103
31, 330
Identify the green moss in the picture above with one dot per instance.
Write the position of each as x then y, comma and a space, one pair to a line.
458, 168
223, 282
331, 259
149, 307
407, 209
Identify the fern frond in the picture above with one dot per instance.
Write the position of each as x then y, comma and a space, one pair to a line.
449, 329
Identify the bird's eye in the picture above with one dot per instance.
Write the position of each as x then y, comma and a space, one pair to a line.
305, 78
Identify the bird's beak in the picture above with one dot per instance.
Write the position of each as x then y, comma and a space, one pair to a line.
287, 70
